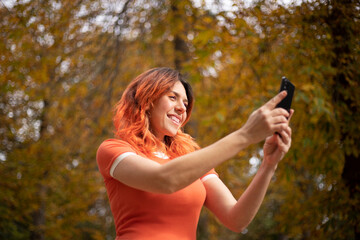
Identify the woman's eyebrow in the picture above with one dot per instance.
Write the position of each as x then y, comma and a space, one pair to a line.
178, 95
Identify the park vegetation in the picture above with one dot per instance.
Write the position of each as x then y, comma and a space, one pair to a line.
64, 64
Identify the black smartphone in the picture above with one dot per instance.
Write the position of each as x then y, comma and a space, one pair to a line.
290, 88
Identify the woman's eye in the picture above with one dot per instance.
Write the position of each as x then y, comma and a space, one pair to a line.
172, 97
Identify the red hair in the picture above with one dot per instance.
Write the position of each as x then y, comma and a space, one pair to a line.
131, 119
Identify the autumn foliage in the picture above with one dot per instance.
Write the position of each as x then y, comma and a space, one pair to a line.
64, 65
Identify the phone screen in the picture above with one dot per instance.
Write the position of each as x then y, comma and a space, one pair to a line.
290, 88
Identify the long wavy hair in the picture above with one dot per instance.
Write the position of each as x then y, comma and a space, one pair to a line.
131, 119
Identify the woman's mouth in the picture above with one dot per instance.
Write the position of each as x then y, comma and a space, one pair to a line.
175, 119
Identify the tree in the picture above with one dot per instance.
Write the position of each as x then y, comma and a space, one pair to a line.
64, 65
44, 72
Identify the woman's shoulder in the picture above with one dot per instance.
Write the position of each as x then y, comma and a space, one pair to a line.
110, 149
115, 143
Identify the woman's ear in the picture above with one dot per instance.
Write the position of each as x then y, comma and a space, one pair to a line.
149, 106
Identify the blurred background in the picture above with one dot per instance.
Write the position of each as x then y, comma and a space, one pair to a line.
64, 64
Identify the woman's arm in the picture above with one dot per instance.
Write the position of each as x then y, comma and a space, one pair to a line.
236, 215
144, 174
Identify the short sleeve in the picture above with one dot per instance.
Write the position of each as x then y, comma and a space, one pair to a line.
212, 173
108, 152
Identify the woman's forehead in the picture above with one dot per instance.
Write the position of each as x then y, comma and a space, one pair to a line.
179, 89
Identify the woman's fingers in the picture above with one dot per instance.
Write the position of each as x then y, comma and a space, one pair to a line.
279, 127
291, 114
267, 120
271, 104
279, 119
285, 140
280, 111
281, 116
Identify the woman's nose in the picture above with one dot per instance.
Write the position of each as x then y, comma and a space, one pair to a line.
180, 107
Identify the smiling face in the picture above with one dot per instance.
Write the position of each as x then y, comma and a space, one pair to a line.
168, 113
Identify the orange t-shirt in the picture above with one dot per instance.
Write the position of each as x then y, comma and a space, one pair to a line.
144, 215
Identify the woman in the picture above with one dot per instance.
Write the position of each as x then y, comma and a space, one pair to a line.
157, 178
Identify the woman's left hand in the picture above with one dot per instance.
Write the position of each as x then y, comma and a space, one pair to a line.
277, 145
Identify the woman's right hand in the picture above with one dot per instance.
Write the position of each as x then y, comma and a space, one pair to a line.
266, 120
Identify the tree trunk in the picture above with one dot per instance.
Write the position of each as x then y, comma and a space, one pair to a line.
180, 48
38, 216
341, 21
